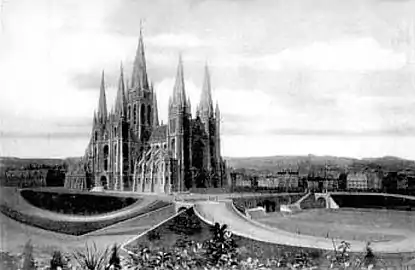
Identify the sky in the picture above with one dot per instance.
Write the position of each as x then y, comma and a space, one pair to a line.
323, 77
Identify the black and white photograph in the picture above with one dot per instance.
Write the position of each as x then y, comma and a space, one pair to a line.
207, 134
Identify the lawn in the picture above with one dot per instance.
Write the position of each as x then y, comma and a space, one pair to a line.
75, 227
348, 224
76, 204
16, 207
14, 234
187, 226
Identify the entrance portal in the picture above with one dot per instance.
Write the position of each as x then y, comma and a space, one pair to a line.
104, 182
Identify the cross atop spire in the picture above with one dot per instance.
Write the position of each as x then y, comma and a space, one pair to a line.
179, 92
102, 103
139, 77
206, 103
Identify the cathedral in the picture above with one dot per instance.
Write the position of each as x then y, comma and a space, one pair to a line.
129, 150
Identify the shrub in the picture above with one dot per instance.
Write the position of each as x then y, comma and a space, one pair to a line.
221, 250
8, 261
114, 261
57, 261
369, 257
91, 258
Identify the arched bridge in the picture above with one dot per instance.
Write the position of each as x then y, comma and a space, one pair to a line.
326, 199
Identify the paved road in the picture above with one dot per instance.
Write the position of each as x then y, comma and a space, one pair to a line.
224, 212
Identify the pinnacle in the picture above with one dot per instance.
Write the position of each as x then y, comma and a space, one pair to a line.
102, 104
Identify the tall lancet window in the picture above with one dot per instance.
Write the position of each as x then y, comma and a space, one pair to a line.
149, 114
142, 114
129, 112
115, 155
135, 114
106, 150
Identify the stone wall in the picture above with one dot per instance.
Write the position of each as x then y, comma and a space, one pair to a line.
271, 203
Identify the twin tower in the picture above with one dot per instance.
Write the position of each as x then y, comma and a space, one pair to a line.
129, 149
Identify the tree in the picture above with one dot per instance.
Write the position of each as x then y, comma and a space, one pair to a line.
114, 262
370, 258
28, 260
57, 261
221, 249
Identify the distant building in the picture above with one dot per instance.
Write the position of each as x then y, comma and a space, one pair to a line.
374, 180
286, 180
34, 178
357, 181
390, 181
241, 180
402, 182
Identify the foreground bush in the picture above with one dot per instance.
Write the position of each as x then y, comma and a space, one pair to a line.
219, 252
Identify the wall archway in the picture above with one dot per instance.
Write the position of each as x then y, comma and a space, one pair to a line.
321, 202
104, 182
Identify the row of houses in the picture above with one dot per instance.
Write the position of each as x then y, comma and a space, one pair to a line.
351, 180
33, 178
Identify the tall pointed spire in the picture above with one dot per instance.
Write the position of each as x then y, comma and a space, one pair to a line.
206, 104
102, 104
179, 92
189, 106
139, 77
120, 102
95, 119
155, 109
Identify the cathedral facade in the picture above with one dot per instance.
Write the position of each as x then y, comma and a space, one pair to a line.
129, 150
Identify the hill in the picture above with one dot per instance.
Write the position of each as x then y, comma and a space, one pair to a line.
271, 164
308, 163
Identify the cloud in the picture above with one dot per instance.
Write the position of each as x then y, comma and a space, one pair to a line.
46, 135
180, 41
353, 86
358, 54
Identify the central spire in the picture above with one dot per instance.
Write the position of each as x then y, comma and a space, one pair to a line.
102, 104
139, 77
206, 103
179, 92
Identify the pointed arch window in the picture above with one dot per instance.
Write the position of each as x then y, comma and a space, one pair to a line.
173, 146
106, 151
142, 114
135, 114
149, 114
115, 154
129, 112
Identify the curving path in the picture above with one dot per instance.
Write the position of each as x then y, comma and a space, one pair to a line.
224, 212
13, 199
